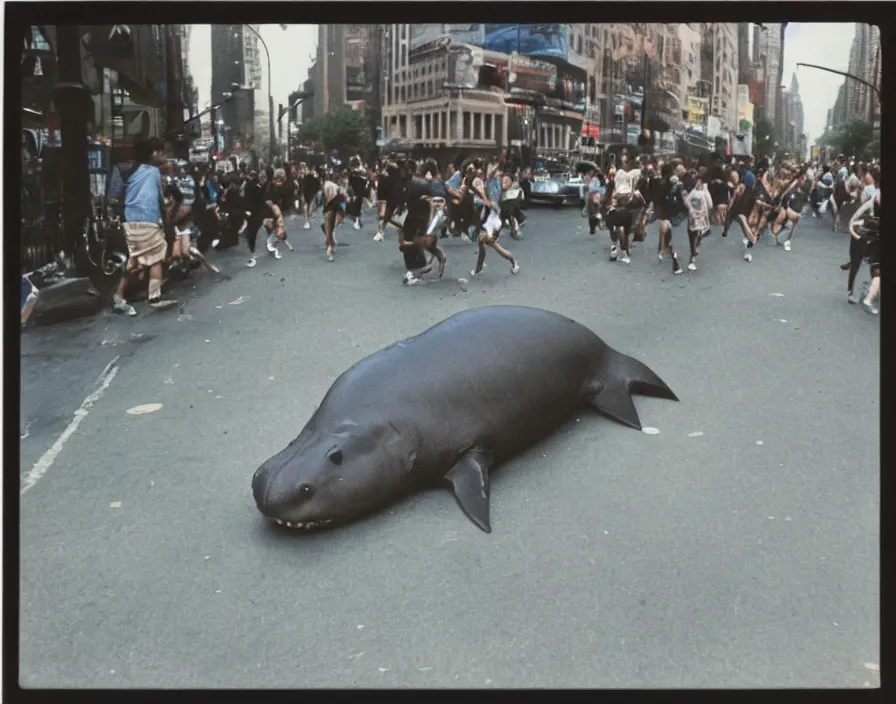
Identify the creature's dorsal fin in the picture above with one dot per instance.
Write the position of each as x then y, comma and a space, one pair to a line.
625, 376
469, 478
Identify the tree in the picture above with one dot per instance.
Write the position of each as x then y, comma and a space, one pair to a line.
344, 130
852, 138
763, 138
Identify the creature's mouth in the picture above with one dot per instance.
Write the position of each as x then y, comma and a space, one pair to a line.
307, 525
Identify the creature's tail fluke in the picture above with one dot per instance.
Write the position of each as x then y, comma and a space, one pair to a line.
623, 377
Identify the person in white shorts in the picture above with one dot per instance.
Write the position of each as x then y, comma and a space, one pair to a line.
489, 232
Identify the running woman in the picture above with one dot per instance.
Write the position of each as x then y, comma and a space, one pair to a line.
699, 203
311, 181
334, 199
665, 199
739, 210
792, 207
864, 231
488, 235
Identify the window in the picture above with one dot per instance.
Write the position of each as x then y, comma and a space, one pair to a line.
403, 124
467, 127
443, 123
477, 125
418, 127
414, 88
432, 87
487, 131
427, 134
404, 98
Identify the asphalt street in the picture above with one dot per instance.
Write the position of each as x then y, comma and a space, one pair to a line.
736, 547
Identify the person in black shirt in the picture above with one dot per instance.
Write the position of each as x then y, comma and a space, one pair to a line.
718, 189
389, 187
359, 188
273, 217
416, 192
252, 193
233, 211
311, 182
663, 197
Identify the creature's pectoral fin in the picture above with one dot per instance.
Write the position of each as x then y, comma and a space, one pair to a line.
626, 376
469, 477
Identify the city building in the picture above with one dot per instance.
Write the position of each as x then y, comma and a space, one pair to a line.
236, 60
768, 53
864, 63
795, 117
479, 88
346, 64
743, 53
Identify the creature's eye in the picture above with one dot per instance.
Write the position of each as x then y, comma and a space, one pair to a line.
306, 490
335, 456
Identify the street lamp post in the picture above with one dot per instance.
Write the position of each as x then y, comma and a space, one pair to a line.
270, 93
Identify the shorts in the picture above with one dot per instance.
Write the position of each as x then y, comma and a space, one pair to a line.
718, 191
146, 242
492, 225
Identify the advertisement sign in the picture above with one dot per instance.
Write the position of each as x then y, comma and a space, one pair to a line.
697, 109
816, 152
531, 74
538, 40
421, 34
756, 92
549, 40
463, 67
744, 117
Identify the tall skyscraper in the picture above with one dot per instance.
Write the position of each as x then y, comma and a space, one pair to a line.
231, 64
768, 50
743, 52
863, 55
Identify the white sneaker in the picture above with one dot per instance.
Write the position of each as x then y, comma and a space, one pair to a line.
748, 257
122, 307
515, 269
659, 257
215, 243
357, 225
745, 242
614, 253
625, 258
307, 225
787, 245
378, 237
692, 267
474, 274
272, 243
252, 262
852, 298
870, 307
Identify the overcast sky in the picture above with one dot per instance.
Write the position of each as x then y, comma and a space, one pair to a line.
827, 45
822, 44
290, 58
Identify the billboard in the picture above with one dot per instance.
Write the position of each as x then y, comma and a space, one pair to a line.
757, 92
697, 109
531, 75
358, 67
538, 40
421, 34
463, 67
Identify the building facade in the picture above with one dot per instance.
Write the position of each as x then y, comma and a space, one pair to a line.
864, 62
236, 60
480, 88
768, 54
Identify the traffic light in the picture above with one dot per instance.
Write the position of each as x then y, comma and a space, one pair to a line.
293, 108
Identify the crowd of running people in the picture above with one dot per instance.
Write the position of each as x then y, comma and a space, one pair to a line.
477, 201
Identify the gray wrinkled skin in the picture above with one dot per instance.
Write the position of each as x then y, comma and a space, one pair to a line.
453, 402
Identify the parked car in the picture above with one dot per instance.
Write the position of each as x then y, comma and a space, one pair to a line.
557, 189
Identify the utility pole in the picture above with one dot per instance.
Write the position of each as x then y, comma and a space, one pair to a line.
74, 104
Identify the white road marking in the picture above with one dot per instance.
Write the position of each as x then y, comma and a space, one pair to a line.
115, 504
778, 295
43, 465
698, 434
